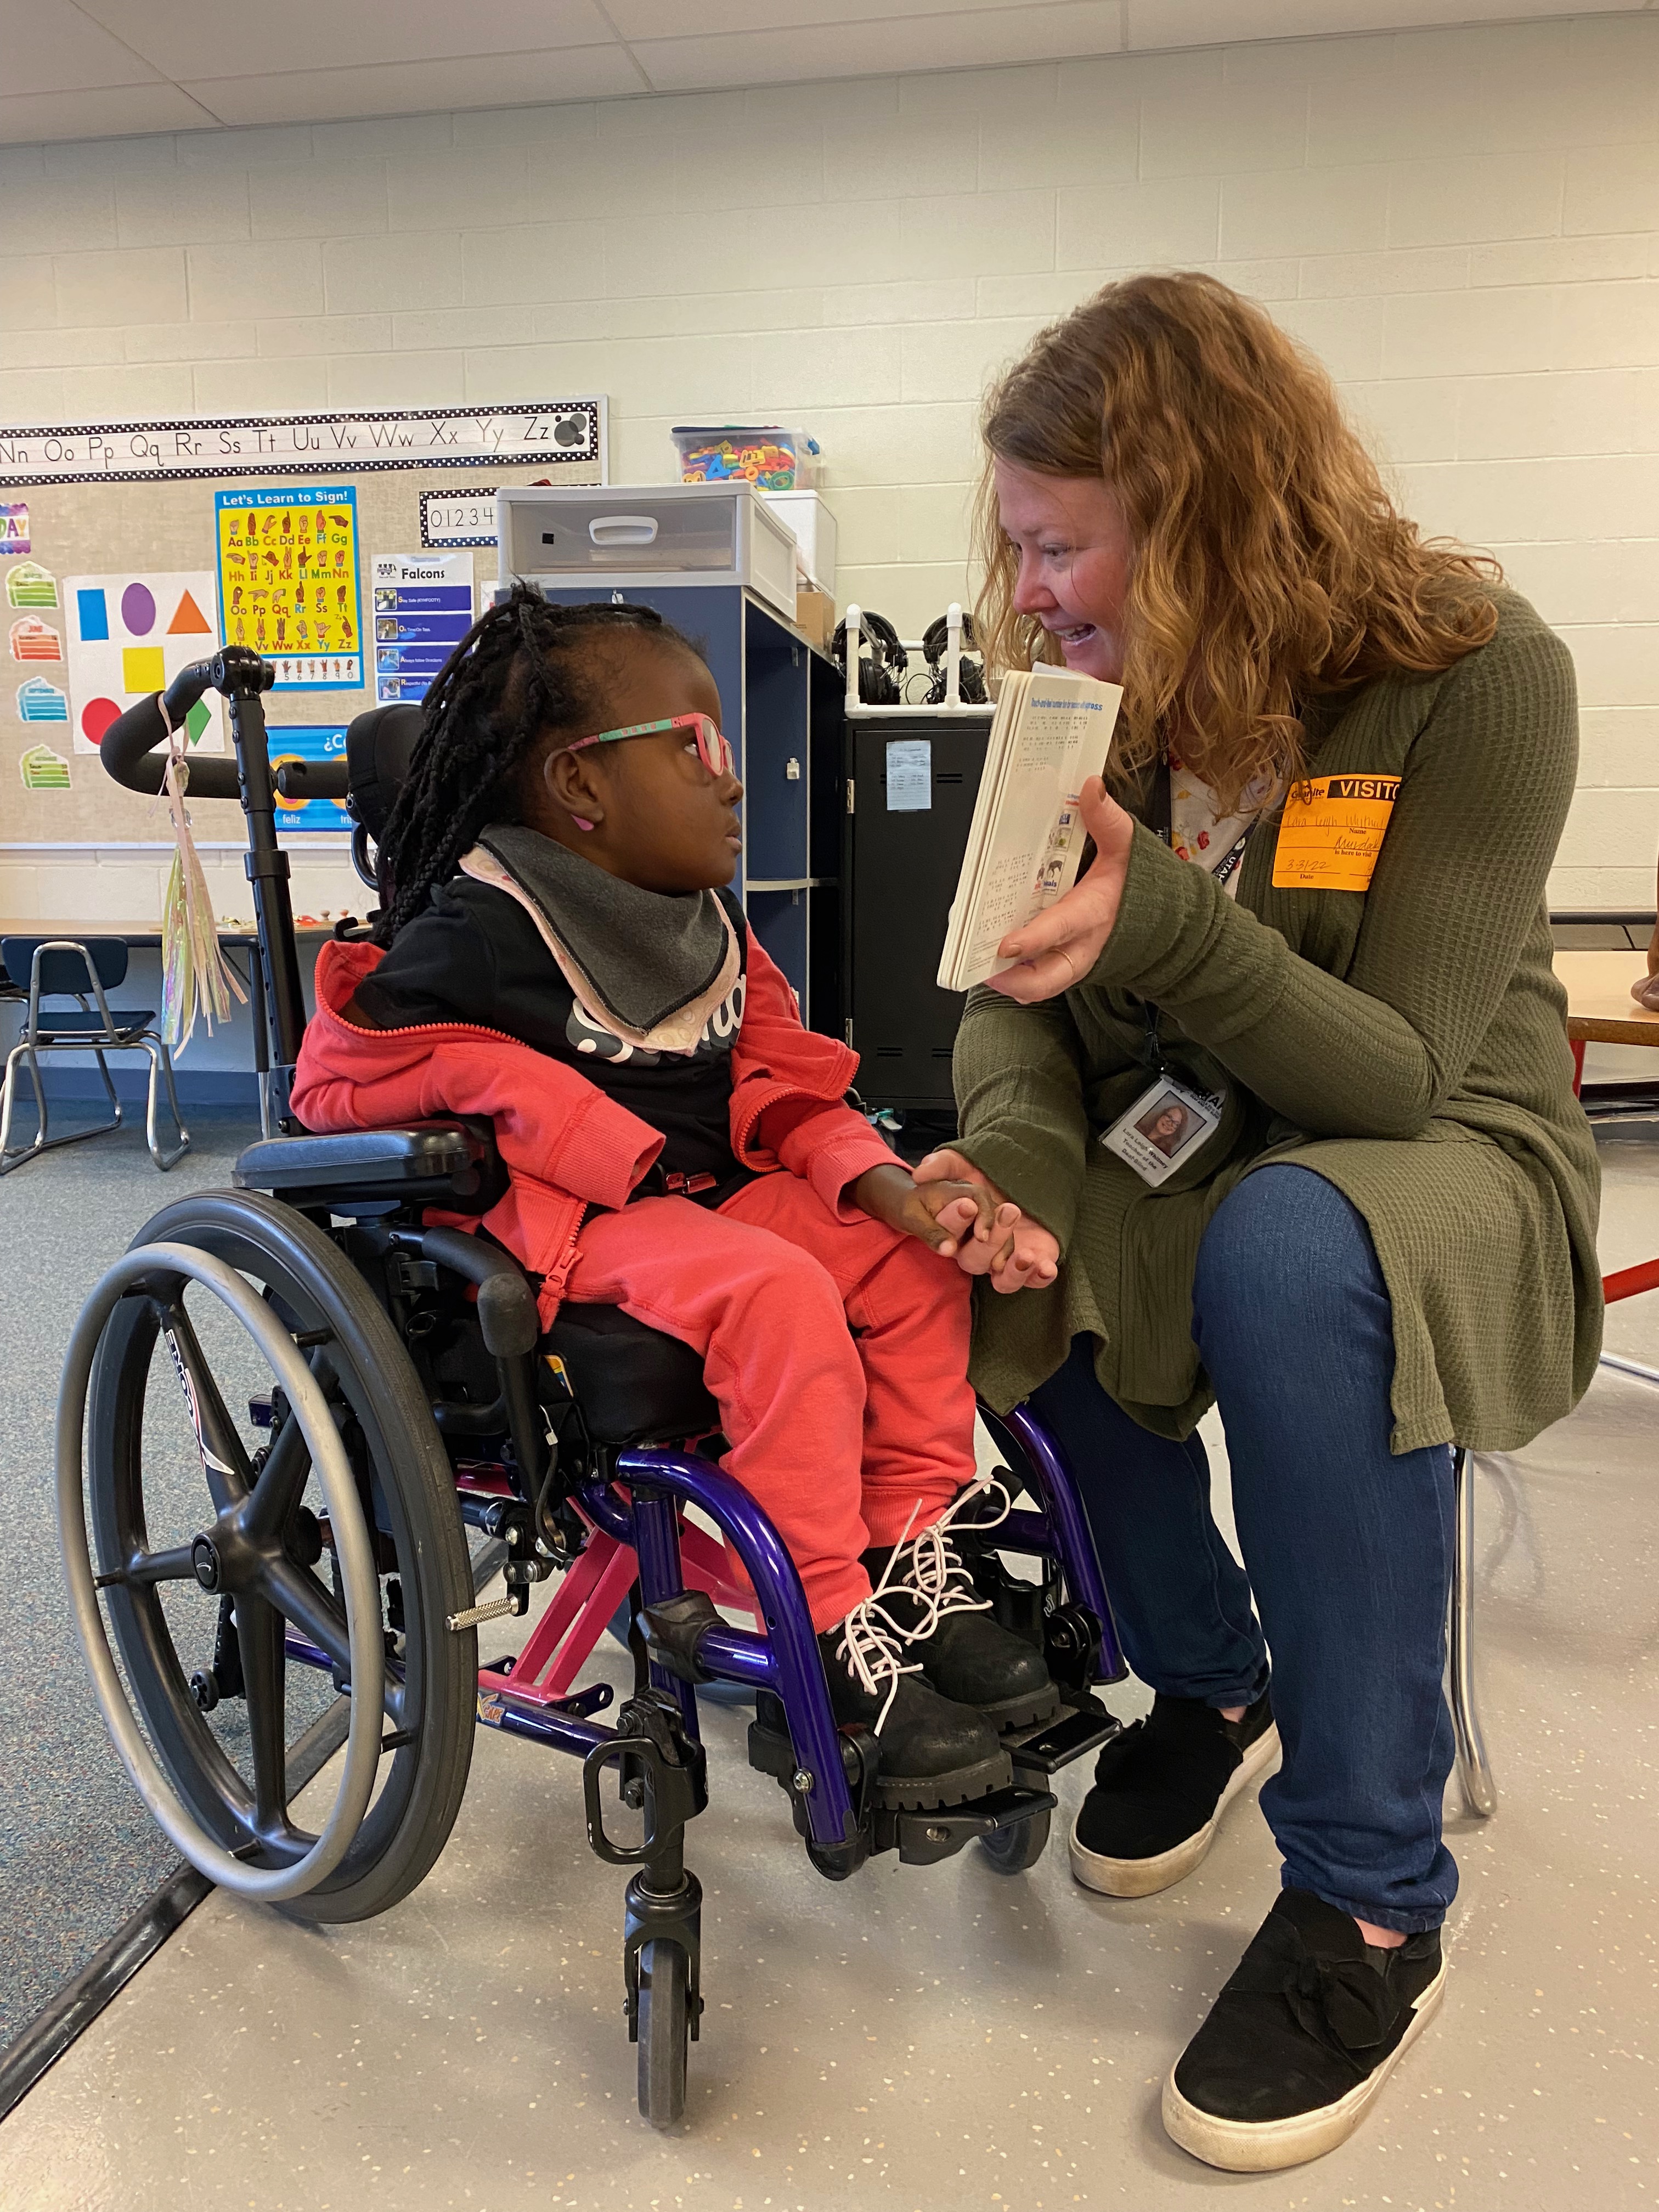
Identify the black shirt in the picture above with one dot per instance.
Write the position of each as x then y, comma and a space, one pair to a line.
476, 955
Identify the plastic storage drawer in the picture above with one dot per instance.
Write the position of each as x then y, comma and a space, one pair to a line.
651, 533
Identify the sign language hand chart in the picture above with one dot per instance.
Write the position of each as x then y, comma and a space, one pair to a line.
288, 583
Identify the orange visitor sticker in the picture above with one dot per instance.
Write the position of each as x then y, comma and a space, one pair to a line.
1331, 832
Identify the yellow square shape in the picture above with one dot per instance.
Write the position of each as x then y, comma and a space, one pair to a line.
142, 669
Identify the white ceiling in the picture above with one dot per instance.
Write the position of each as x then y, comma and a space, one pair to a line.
101, 69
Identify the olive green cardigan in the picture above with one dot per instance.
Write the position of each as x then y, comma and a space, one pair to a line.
1408, 1042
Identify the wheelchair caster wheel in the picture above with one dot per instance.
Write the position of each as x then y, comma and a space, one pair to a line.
664, 2023
203, 1690
1016, 1849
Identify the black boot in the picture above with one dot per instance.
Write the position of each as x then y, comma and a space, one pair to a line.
928, 1593
1160, 1790
932, 1752
1301, 2040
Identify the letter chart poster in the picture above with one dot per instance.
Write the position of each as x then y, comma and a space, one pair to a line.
289, 582
129, 635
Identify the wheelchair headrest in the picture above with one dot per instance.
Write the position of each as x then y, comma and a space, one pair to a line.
378, 745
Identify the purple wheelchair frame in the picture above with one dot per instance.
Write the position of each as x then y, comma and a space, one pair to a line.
785, 1659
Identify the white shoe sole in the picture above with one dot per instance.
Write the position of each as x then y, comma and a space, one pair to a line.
1141, 1877
1264, 2146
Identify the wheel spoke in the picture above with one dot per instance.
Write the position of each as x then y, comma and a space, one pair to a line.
259, 1632
175, 1564
296, 1593
224, 1461
279, 1483
317, 1613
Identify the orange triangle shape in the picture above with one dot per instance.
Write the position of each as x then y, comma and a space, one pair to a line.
188, 618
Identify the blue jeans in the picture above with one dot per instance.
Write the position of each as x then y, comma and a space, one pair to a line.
1348, 1547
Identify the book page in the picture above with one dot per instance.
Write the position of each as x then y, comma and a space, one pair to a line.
1034, 836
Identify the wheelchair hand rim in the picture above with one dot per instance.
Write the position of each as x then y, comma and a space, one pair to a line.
360, 1583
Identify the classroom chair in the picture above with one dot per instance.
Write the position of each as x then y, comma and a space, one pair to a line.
60, 968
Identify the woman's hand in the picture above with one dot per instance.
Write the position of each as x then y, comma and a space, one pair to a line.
1059, 947
1017, 1255
943, 1213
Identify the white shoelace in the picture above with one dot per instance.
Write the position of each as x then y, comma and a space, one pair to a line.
872, 1644
937, 1574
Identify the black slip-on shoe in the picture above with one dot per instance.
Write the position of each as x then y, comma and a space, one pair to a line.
1160, 1789
1299, 2043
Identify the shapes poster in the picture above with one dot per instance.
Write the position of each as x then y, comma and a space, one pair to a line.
422, 610
129, 634
291, 742
289, 582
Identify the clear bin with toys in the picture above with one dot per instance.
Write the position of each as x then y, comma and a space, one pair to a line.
734, 452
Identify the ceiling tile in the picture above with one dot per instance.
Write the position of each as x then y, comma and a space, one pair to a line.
103, 111
1037, 32
197, 41
420, 88
50, 45
1151, 24
637, 20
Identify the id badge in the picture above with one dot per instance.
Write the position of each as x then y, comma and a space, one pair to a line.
1164, 1129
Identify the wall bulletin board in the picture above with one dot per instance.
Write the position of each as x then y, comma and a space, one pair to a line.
128, 549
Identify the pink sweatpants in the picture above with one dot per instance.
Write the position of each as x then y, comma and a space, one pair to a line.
837, 1351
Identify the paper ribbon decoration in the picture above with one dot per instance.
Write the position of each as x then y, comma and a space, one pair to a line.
195, 973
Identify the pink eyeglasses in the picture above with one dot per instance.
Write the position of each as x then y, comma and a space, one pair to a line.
714, 748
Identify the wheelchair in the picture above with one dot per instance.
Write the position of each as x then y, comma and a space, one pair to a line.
403, 1397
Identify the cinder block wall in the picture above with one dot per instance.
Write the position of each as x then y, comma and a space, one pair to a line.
1461, 223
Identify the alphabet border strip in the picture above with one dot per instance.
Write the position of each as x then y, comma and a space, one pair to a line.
18, 467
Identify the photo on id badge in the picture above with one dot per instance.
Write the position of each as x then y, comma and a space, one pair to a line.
1163, 1129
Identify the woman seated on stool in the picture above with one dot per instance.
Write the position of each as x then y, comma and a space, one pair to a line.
1316, 914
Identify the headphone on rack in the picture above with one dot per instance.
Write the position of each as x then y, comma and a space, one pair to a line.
880, 668
935, 644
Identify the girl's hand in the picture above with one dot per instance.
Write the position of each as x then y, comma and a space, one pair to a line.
1059, 947
1017, 1255
942, 1211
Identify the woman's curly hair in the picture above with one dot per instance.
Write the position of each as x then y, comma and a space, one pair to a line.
1270, 565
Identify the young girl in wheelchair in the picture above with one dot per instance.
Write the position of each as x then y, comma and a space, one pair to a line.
557, 949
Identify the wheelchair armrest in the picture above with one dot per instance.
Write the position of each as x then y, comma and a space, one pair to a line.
452, 1163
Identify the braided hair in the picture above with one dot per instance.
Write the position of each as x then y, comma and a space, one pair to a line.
523, 672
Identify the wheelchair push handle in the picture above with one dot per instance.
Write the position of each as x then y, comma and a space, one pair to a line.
130, 740
130, 743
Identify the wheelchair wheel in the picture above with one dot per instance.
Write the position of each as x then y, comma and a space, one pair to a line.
239, 1576
1016, 1849
664, 2023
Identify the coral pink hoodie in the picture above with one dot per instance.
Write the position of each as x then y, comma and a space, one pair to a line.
565, 1144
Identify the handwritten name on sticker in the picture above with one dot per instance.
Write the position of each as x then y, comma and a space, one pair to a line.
1331, 832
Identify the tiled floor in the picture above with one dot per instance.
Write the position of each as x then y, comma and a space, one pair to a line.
947, 2037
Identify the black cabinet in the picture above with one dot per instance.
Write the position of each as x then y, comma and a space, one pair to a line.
900, 862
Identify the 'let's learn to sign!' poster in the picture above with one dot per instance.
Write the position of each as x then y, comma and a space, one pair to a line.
289, 582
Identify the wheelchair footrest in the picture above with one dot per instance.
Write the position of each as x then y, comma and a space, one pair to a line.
925, 1839
1082, 1726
